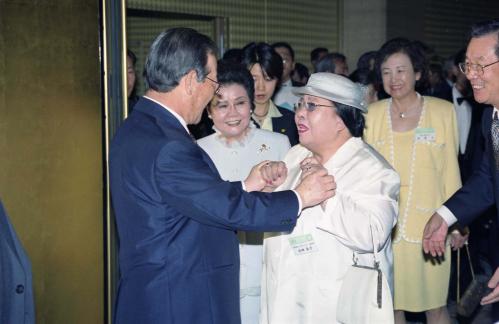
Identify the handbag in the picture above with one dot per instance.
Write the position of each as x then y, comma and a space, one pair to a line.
365, 295
475, 291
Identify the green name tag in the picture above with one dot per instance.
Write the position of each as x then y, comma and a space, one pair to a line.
425, 134
303, 244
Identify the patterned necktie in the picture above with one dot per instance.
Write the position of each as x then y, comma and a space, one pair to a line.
494, 130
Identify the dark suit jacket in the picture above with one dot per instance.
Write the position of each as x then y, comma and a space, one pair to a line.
177, 222
16, 287
481, 191
475, 146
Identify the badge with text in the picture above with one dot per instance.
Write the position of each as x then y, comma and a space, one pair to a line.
303, 244
425, 134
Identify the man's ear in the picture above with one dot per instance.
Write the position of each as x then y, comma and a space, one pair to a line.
189, 82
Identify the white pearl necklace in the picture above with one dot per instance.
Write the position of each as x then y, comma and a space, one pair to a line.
401, 226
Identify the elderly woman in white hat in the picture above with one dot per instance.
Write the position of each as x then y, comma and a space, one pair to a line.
304, 270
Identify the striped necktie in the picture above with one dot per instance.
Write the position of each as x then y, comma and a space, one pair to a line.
494, 130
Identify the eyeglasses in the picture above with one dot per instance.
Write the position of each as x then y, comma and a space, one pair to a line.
309, 106
466, 67
217, 88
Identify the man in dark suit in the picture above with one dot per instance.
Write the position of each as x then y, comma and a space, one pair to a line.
481, 191
176, 218
16, 291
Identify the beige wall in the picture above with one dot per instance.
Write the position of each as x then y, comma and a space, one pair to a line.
50, 149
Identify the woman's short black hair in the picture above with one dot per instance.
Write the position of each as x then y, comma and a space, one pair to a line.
352, 117
266, 56
402, 45
229, 73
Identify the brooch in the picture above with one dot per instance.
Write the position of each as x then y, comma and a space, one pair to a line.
263, 148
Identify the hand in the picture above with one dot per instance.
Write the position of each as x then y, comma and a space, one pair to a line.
316, 188
457, 240
256, 181
274, 174
308, 166
494, 295
434, 235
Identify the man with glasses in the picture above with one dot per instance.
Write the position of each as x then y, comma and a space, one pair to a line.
481, 191
176, 218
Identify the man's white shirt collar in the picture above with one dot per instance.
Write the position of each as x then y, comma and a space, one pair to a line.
177, 116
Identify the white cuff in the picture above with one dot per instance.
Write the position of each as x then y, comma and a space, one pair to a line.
447, 215
299, 202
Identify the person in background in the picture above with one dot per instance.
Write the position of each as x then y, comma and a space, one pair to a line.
16, 279
366, 79
235, 148
302, 286
176, 218
131, 79
233, 55
367, 61
300, 73
437, 85
481, 191
265, 65
333, 63
316, 55
283, 97
418, 137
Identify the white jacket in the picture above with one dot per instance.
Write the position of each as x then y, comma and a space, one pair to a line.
301, 284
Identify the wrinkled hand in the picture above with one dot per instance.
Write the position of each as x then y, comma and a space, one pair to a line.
316, 187
309, 165
274, 174
434, 235
457, 240
494, 295
266, 175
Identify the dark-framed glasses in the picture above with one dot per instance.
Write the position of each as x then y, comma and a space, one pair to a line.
309, 106
217, 85
467, 67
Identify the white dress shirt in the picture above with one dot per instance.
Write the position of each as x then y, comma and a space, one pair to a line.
284, 97
463, 115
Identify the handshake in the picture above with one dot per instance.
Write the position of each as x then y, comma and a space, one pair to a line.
315, 186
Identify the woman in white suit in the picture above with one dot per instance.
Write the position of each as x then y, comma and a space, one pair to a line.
235, 147
304, 269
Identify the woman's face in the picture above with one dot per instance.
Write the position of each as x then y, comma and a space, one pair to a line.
399, 78
230, 111
264, 86
320, 127
130, 79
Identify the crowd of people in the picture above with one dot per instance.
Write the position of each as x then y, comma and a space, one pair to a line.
245, 188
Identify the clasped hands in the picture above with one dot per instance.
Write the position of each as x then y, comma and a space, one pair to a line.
315, 186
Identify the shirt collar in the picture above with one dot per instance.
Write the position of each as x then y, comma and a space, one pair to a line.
177, 116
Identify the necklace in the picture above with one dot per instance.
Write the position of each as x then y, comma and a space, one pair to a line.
403, 114
403, 220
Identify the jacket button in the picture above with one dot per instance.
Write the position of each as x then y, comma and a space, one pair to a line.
19, 289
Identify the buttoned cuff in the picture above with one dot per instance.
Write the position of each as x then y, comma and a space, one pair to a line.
447, 215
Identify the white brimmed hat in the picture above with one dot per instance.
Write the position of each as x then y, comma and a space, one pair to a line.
333, 87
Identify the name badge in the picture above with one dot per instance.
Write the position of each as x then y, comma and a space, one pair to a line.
425, 135
303, 244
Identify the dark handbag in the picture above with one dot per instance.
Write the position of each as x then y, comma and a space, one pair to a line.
475, 291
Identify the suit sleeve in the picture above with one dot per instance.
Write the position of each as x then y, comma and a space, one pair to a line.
192, 189
477, 194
